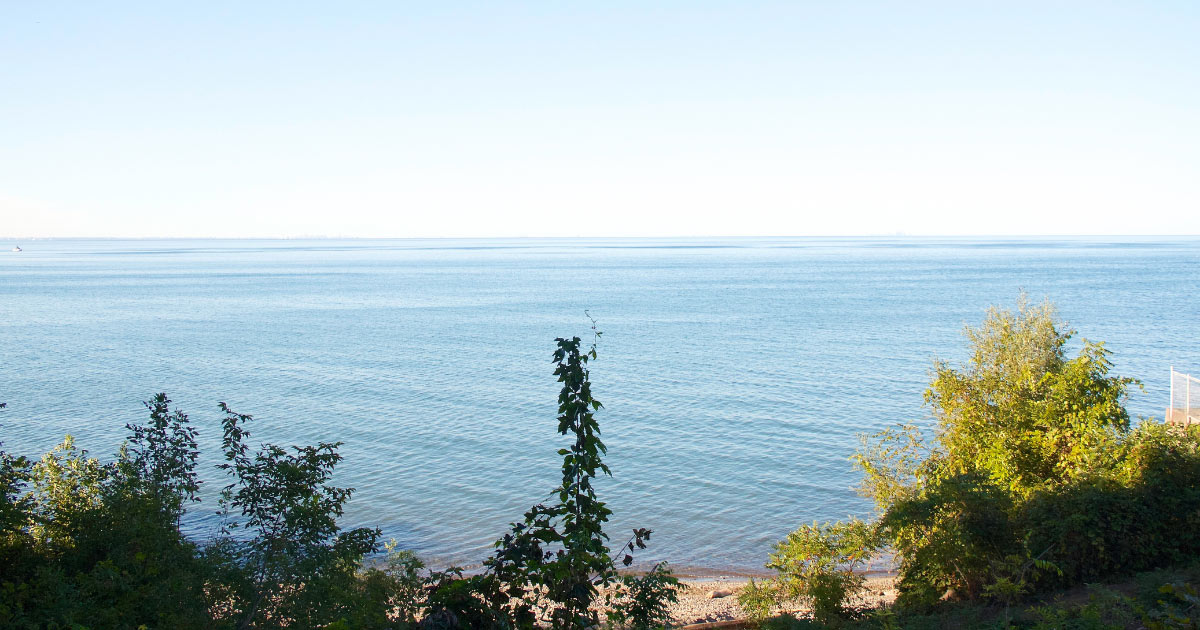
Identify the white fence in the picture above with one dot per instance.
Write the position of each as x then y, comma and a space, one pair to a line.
1185, 399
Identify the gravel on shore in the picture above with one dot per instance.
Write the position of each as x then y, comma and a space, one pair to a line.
697, 603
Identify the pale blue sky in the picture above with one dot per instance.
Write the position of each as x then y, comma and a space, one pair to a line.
604, 118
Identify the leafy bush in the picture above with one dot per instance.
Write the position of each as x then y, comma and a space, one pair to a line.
1141, 512
100, 543
1019, 410
948, 535
475, 602
1179, 608
97, 545
17, 553
643, 602
1104, 610
1034, 477
817, 563
756, 600
392, 593
295, 563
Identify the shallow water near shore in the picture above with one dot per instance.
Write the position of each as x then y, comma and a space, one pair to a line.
736, 373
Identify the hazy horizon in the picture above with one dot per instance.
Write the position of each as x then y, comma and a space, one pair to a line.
723, 237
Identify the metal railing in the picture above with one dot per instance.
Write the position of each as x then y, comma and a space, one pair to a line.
1185, 399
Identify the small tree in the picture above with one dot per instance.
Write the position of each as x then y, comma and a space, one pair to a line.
290, 567
756, 600
1019, 419
818, 565
556, 559
387, 596
160, 459
67, 486
1020, 411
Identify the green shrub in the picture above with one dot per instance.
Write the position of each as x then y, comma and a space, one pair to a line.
1019, 410
1144, 513
817, 563
948, 536
455, 602
1034, 477
756, 600
1177, 609
295, 565
1104, 610
100, 543
391, 595
643, 602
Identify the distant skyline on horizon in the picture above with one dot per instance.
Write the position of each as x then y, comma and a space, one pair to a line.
5, 241
623, 120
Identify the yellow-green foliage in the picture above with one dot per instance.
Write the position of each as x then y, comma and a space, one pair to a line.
1020, 410
816, 564
66, 485
756, 599
1033, 475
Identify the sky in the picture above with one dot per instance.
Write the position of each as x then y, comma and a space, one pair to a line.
690, 118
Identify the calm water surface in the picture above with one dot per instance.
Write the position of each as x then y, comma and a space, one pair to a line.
736, 374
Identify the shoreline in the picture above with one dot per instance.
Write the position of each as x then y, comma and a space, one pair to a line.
708, 600
701, 574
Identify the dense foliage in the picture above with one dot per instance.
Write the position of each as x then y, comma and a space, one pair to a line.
1157, 600
86, 544
1032, 479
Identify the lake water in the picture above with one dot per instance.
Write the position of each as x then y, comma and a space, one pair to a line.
736, 374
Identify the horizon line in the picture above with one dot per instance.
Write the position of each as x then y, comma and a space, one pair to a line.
581, 237
861, 235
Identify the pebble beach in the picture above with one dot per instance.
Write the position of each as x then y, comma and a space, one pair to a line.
712, 600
